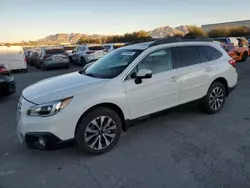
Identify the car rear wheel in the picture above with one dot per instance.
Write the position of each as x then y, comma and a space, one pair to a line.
66, 66
98, 131
44, 67
244, 56
83, 61
215, 98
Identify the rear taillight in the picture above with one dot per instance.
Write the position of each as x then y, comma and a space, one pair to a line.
232, 62
2, 69
46, 56
90, 52
25, 60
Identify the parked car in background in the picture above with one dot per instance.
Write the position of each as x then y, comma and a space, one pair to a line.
7, 83
243, 42
32, 58
112, 46
52, 57
236, 52
228, 40
69, 49
84, 54
13, 57
27, 52
93, 106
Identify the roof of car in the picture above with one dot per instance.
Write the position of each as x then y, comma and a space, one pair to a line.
139, 46
90, 45
169, 40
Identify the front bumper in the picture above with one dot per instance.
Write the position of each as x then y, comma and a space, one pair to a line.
53, 129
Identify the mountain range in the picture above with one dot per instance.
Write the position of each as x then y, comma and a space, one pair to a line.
74, 37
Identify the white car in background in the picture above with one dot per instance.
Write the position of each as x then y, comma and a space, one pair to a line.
93, 106
84, 54
109, 47
69, 49
13, 57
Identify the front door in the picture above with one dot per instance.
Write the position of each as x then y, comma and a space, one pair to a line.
157, 93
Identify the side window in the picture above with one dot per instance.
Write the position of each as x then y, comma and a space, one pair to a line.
158, 61
211, 52
186, 56
79, 49
202, 55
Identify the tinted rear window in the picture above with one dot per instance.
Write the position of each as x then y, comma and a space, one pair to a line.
55, 51
96, 48
34, 53
69, 47
107, 47
211, 52
186, 56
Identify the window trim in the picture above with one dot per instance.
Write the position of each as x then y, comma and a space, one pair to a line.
200, 48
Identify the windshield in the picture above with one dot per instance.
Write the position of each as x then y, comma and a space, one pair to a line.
112, 64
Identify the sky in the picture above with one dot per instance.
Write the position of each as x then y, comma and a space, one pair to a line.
36, 19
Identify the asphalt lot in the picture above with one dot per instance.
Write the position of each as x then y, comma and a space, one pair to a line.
183, 148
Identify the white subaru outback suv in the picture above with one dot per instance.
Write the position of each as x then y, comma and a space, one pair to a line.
93, 106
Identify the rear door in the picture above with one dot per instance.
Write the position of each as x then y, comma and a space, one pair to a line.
3, 56
16, 57
192, 78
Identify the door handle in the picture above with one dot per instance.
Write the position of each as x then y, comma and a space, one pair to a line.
208, 69
173, 79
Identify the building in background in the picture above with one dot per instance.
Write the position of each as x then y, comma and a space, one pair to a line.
209, 27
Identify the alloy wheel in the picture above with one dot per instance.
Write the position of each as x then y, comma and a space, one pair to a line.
216, 98
100, 132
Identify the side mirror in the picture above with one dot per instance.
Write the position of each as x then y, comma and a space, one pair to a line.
143, 74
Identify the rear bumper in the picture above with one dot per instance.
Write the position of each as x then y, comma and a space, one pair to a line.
56, 64
7, 88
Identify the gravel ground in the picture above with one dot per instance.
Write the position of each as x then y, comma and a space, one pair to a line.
183, 148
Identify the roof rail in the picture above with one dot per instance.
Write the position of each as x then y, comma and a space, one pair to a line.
140, 41
180, 39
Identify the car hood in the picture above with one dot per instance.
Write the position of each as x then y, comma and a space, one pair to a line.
60, 87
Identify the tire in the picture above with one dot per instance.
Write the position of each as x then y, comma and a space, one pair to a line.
66, 66
217, 91
25, 70
71, 60
83, 61
244, 56
87, 133
44, 68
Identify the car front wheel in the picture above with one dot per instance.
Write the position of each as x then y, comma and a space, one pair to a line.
98, 131
215, 98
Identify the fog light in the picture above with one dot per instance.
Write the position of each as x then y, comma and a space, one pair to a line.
41, 142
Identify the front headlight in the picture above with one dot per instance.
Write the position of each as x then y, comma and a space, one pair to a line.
48, 109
